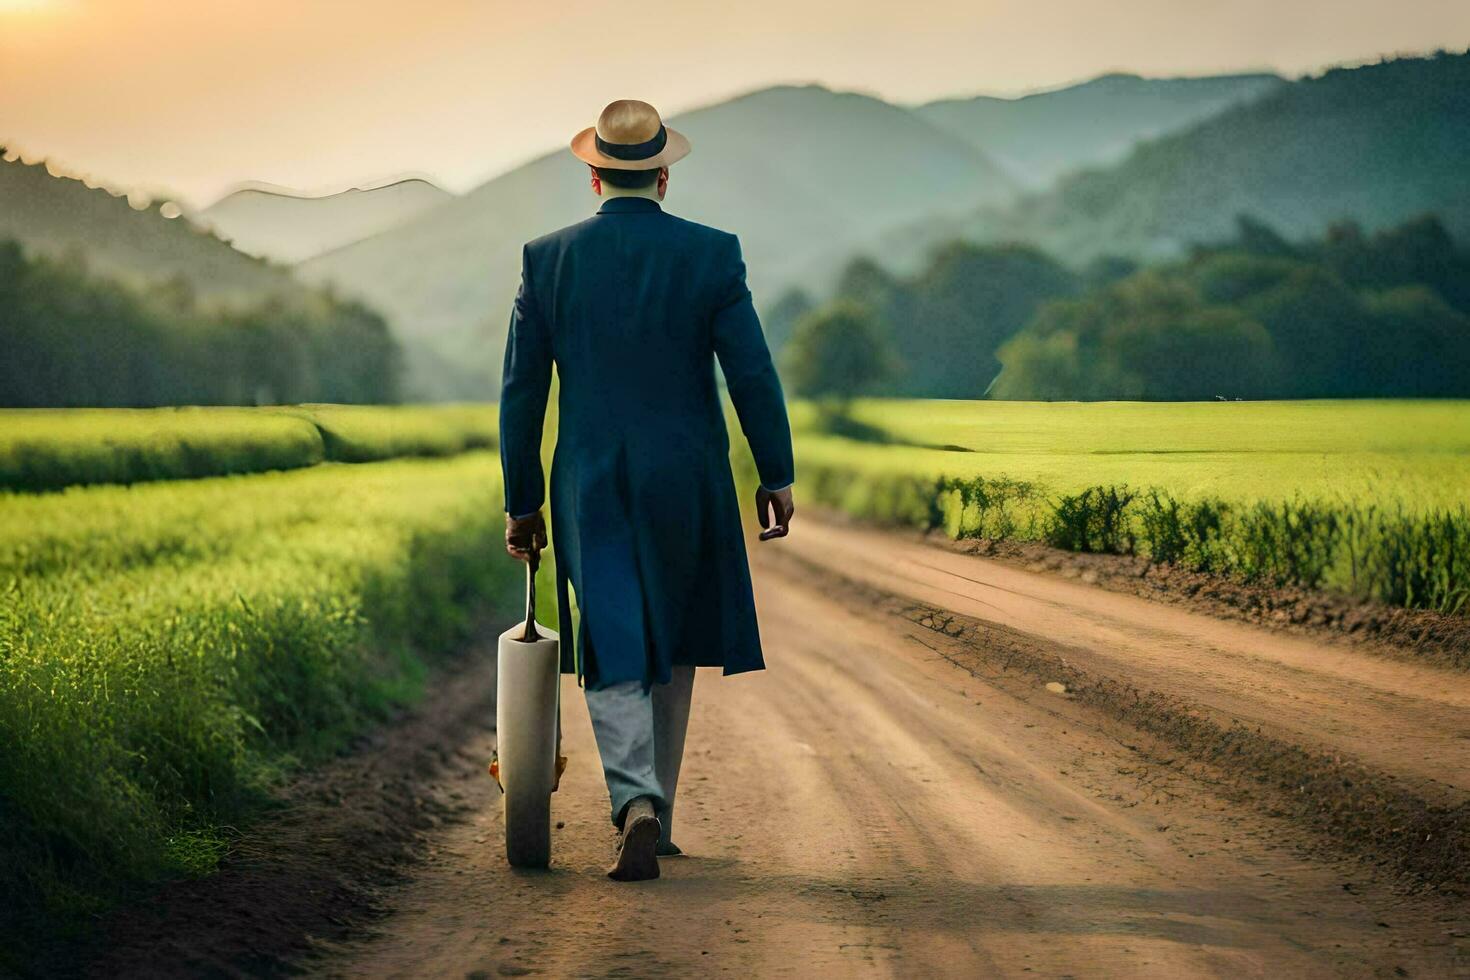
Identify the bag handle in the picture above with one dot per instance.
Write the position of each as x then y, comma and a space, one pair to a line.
530, 635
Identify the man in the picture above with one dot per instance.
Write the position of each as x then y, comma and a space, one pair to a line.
634, 306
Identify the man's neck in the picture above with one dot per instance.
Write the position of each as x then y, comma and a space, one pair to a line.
647, 193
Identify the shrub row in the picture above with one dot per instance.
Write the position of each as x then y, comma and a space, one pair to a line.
45, 449
1419, 560
365, 434
167, 650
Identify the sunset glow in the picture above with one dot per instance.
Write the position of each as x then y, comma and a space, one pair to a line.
198, 97
29, 6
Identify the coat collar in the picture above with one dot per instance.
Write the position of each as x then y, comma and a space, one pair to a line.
629, 205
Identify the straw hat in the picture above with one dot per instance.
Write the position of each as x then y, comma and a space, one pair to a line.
629, 135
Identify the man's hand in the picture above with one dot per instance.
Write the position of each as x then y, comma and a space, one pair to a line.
525, 537
780, 502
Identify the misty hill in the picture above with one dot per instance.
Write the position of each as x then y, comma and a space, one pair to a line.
53, 215
1037, 138
1377, 144
799, 172
289, 227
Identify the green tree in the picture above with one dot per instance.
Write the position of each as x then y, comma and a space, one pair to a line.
73, 338
1322, 332
1149, 338
781, 318
969, 301
1420, 345
946, 321
837, 353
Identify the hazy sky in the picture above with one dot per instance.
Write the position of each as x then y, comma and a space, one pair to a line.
193, 96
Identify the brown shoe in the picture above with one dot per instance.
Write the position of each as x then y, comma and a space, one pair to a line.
637, 851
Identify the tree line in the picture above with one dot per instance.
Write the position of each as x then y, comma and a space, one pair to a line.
1347, 315
73, 338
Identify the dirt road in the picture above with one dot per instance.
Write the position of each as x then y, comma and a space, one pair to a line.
1411, 720
866, 807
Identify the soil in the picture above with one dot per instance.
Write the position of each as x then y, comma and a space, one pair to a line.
323, 862
1410, 719
1419, 635
954, 767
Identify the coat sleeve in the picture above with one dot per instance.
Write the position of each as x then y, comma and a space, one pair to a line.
749, 374
524, 385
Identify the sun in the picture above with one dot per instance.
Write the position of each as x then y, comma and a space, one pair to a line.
29, 6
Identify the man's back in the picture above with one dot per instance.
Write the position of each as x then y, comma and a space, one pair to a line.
629, 299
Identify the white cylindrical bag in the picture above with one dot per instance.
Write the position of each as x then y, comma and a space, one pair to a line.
527, 693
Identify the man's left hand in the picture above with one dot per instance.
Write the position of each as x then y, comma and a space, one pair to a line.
779, 503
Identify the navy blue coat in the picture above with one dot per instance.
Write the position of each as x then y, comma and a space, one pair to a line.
634, 306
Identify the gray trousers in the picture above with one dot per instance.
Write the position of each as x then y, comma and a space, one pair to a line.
640, 736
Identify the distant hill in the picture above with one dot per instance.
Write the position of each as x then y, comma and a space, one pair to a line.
1037, 138
55, 215
289, 227
1377, 144
799, 172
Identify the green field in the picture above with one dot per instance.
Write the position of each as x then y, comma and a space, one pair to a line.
1414, 453
45, 449
1367, 498
168, 649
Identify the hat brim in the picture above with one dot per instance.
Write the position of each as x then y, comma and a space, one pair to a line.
584, 147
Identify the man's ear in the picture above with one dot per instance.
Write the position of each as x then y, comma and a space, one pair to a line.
596, 180
663, 182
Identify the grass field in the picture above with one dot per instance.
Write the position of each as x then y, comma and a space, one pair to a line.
1414, 453
44, 449
1368, 498
168, 649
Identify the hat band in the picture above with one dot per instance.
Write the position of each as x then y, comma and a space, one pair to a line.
633, 151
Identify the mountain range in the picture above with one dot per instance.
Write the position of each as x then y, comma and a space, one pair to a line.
1375, 144
1040, 137
800, 171
151, 243
285, 226
806, 175
810, 178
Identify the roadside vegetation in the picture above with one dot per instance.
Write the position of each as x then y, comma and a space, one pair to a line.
169, 650
1364, 498
44, 449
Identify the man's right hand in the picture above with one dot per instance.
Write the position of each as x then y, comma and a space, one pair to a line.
525, 537
779, 501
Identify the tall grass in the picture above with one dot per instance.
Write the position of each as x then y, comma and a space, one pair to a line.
1095, 520
1401, 557
366, 433
44, 449
167, 649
